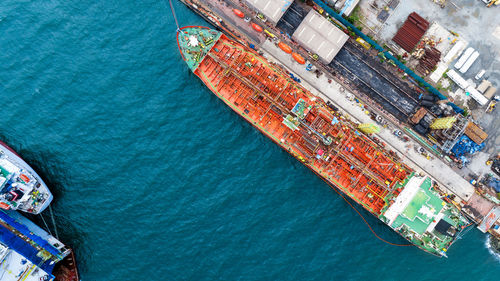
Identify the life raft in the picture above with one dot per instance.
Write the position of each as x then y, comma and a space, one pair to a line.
298, 58
238, 13
24, 178
285, 48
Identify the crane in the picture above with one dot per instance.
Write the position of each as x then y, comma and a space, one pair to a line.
347, 4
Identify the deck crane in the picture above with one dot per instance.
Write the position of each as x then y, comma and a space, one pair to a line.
347, 4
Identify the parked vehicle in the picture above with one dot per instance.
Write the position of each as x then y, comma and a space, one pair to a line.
480, 74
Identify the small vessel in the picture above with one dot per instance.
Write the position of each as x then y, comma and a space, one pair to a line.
322, 139
28, 252
21, 188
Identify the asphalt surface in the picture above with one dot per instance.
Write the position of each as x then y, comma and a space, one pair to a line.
378, 87
292, 18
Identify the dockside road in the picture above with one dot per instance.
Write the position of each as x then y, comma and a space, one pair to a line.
330, 90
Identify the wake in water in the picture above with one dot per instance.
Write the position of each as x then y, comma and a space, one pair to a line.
489, 244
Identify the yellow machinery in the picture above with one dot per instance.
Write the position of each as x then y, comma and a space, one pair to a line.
491, 106
368, 128
363, 43
443, 123
493, 2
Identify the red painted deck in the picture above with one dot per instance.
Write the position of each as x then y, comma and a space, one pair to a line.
323, 140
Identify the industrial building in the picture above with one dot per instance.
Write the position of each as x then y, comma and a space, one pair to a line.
463, 84
320, 36
273, 10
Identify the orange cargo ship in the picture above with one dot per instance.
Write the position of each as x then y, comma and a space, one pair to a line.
322, 139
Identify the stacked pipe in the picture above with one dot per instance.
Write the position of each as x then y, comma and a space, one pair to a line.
411, 32
428, 62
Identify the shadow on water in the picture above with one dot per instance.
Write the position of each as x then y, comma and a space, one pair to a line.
43, 162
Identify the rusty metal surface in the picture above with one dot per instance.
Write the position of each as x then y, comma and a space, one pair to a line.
411, 32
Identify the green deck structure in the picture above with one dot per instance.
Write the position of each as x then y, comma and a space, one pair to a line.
195, 43
423, 210
418, 201
425, 199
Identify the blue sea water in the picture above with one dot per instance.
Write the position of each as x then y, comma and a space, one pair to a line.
156, 179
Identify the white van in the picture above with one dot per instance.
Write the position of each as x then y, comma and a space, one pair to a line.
480, 74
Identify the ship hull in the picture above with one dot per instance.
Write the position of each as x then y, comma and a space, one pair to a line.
12, 154
363, 182
28, 252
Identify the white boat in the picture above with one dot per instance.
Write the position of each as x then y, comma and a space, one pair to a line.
21, 188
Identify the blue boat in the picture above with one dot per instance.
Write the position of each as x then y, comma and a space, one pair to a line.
27, 252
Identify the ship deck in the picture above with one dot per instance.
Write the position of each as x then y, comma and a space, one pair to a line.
328, 143
298, 121
419, 219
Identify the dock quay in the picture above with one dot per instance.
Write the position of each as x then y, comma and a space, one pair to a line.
358, 85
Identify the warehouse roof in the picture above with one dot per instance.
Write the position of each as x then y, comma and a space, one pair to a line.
320, 36
272, 9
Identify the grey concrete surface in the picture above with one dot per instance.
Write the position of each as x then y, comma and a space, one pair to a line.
476, 24
471, 19
334, 92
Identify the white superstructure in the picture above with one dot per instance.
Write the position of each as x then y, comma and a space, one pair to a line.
20, 186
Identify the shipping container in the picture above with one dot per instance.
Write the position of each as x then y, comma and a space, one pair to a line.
469, 62
483, 86
465, 56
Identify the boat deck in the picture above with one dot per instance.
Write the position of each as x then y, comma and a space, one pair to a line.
325, 141
295, 119
419, 219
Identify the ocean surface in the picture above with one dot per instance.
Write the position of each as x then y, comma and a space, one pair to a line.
156, 179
